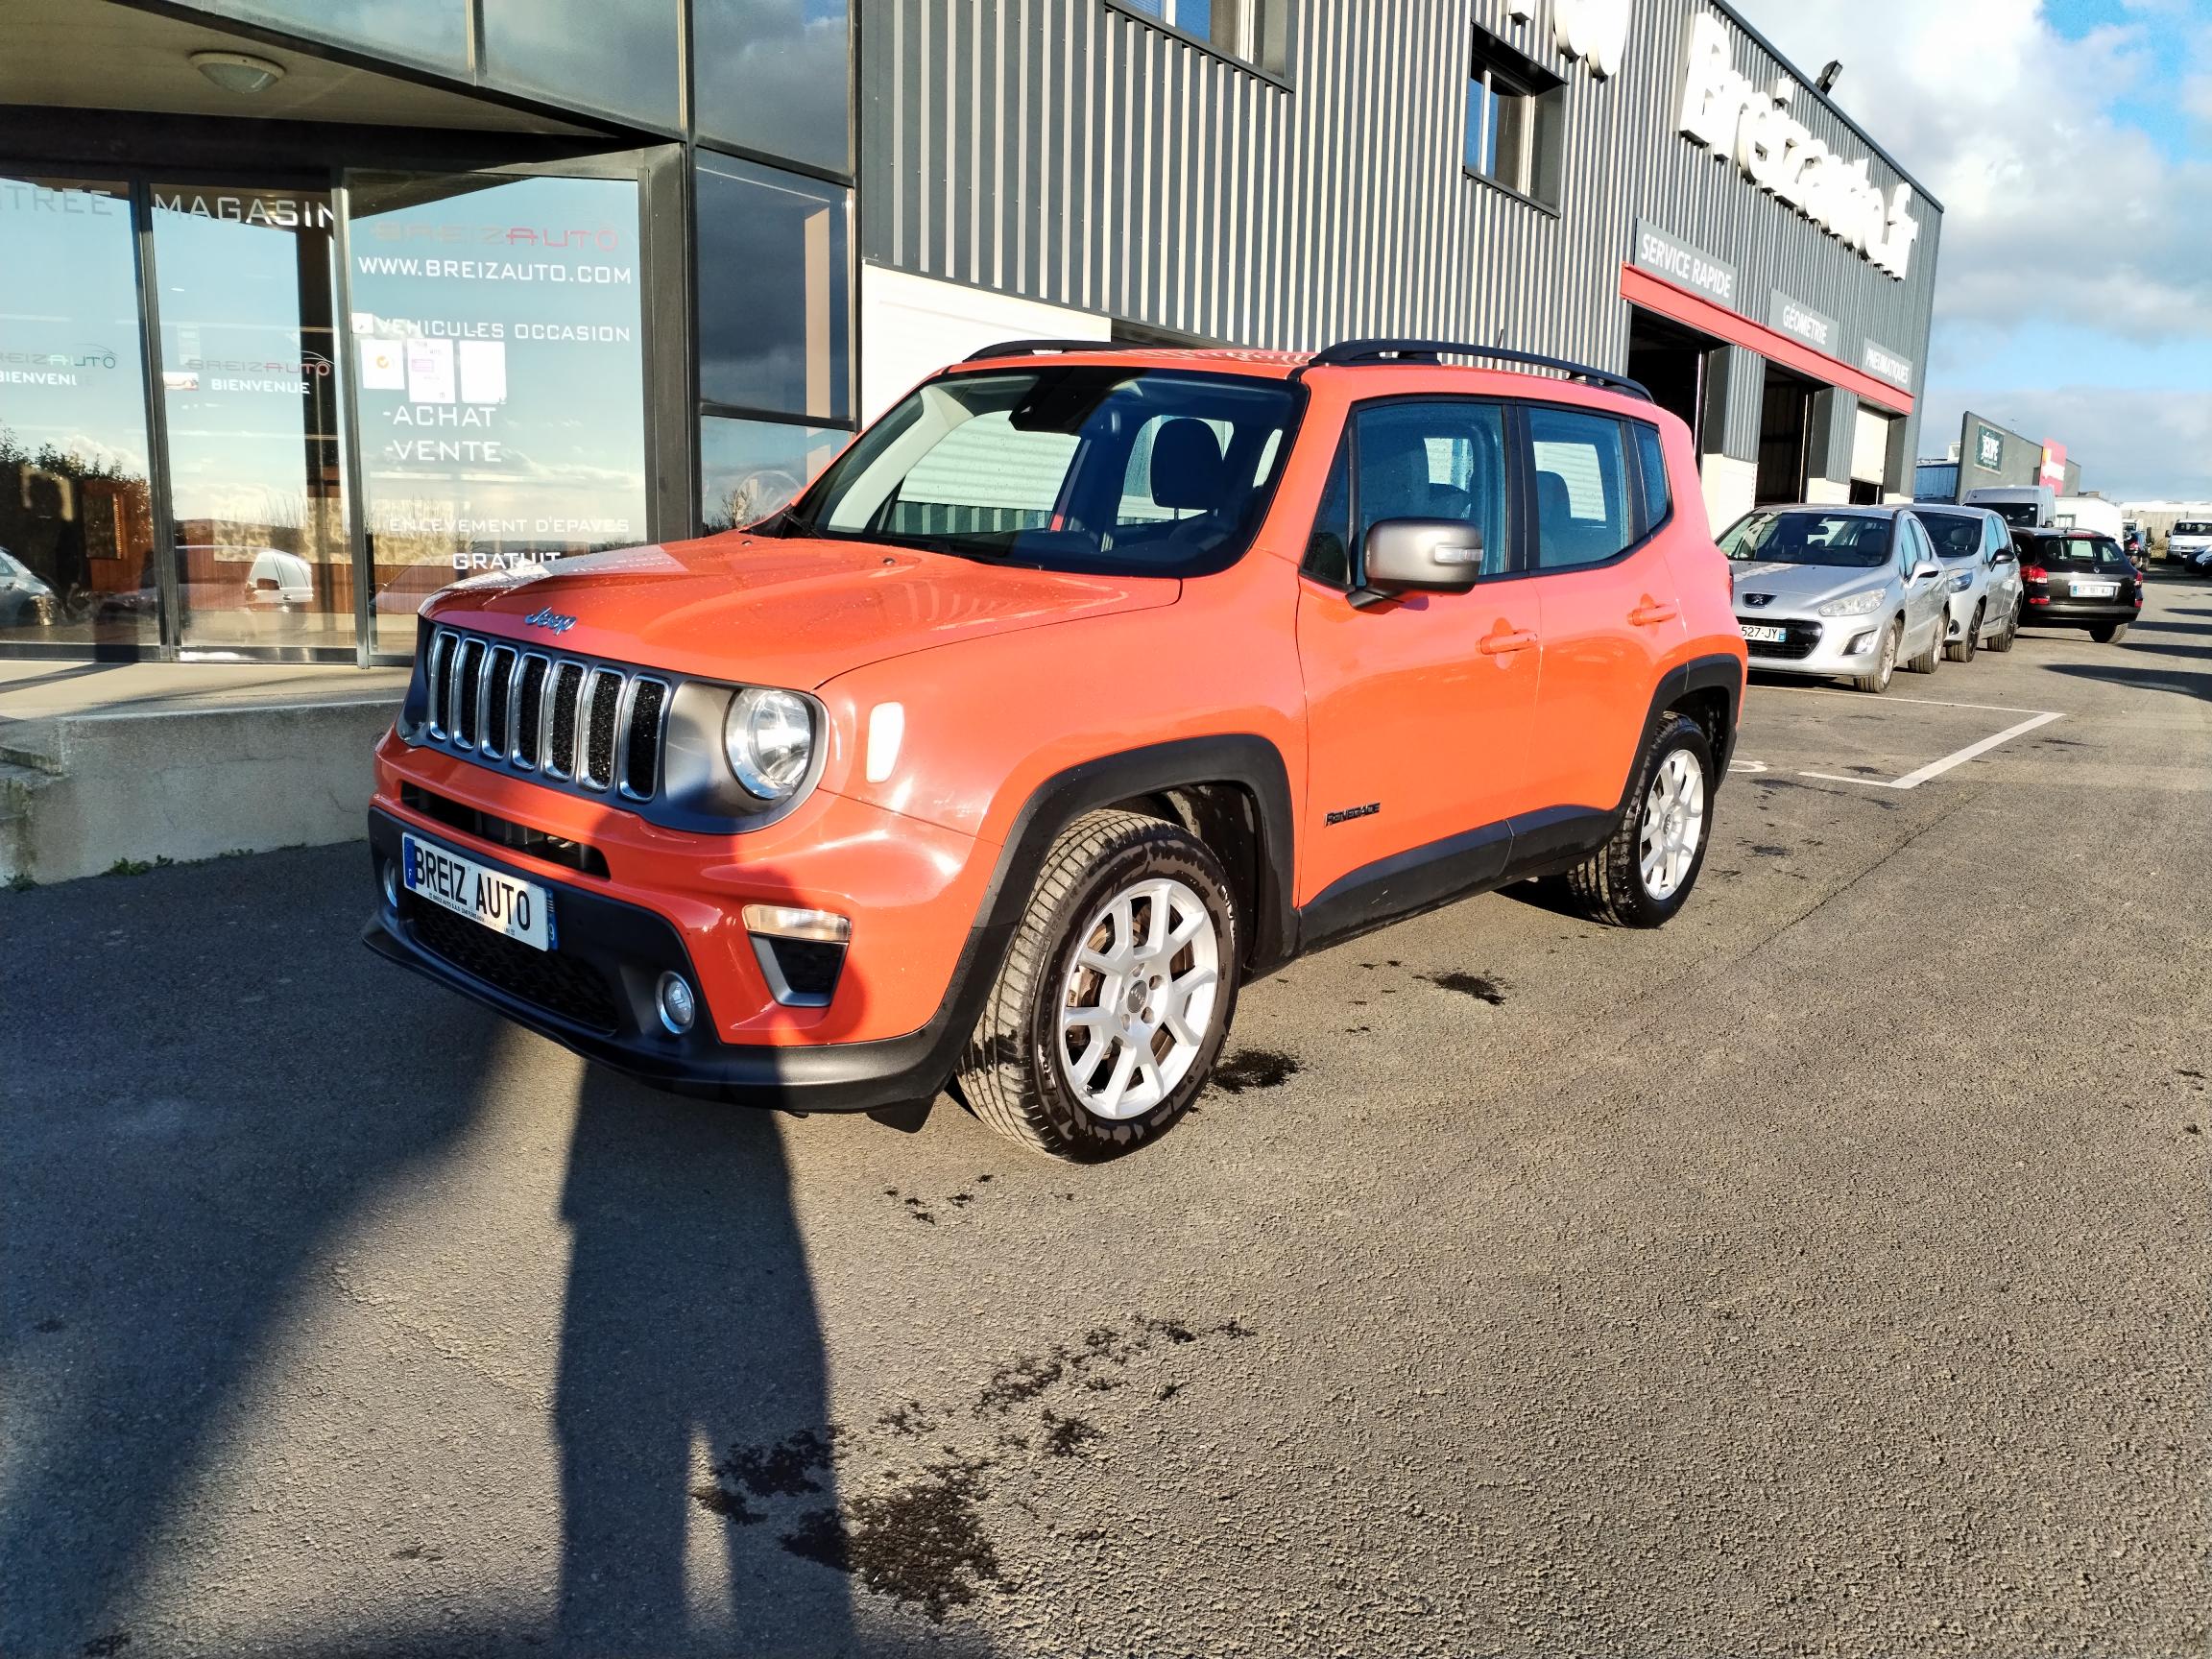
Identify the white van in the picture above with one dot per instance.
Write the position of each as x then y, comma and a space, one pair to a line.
2024, 507
2089, 513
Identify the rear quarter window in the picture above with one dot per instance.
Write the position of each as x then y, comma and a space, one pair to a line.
1658, 491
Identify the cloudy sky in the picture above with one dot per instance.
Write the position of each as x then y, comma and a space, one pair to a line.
2070, 142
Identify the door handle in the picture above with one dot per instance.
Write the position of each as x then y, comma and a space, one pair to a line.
1651, 613
1506, 644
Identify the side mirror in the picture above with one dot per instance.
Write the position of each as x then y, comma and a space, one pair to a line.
1420, 556
2002, 556
1925, 569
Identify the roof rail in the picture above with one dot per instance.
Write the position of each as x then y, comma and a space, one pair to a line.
1035, 348
1428, 351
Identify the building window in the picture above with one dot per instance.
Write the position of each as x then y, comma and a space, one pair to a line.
428, 32
774, 286
750, 468
772, 75
1516, 122
1254, 30
620, 56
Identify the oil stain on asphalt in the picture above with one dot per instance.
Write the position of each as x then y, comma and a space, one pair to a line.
1254, 1068
1480, 987
916, 1533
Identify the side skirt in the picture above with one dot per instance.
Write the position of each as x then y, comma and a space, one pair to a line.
1445, 872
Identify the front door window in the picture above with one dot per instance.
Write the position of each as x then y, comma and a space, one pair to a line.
250, 398
76, 513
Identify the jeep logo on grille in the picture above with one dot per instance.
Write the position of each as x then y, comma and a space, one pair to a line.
550, 619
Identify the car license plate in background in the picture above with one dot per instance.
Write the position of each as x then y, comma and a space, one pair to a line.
2096, 590
521, 911
1759, 635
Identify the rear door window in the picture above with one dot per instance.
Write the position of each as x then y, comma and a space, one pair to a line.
1583, 514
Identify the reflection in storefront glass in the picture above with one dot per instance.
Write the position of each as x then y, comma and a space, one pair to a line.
498, 353
76, 521
773, 287
749, 469
773, 75
613, 55
250, 391
426, 31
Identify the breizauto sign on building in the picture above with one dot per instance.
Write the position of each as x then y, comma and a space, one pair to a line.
1723, 110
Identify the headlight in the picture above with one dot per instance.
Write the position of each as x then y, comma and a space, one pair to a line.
769, 737
1856, 604
1962, 580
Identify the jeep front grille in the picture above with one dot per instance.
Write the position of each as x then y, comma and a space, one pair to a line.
597, 724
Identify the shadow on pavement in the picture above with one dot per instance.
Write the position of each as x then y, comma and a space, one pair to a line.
206, 1085
2182, 682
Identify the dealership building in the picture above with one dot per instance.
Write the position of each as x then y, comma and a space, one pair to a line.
309, 305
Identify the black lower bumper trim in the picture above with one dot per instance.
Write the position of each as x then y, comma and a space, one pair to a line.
630, 945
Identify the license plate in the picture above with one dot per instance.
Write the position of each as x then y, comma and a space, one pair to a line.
1759, 635
521, 911
2096, 590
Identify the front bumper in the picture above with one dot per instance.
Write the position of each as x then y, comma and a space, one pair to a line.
1817, 648
593, 995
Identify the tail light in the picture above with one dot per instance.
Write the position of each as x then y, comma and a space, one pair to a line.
2033, 573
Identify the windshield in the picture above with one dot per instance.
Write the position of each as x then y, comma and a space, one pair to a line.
1955, 534
2021, 515
1855, 541
2077, 552
2193, 527
1065, 466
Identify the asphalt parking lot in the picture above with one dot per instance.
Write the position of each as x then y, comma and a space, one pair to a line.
1824, 1274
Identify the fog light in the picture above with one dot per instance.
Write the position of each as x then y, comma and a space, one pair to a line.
1860, 646
677, 1002
391, 880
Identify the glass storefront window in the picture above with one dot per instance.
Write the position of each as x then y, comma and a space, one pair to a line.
749, 469
250, 401
431, 32
774, 75
619, 56
774, 286
76, 520
498, 349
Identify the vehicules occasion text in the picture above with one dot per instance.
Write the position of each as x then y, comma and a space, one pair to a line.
1086, 685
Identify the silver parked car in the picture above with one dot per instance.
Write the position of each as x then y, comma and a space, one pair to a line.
1839, 592
1982, 578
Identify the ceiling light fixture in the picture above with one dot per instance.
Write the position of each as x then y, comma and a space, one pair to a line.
236, 72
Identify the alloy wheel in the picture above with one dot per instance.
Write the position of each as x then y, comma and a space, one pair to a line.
1139, 998
1674, 824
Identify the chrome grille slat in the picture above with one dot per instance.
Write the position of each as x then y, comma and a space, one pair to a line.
590, 726
495, 697
441, 645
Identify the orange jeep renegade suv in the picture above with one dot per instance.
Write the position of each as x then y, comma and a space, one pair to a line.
1085, 685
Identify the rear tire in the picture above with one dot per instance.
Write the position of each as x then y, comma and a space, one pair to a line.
2109, 634
1118, 890
1885, 665
1644, 876
1962, 649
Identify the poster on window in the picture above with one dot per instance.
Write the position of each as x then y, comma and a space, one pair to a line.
498, 331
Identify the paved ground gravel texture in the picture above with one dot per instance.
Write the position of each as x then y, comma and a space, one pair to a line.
1825, 1274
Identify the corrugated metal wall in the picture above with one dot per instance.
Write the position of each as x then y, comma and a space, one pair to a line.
1069, 152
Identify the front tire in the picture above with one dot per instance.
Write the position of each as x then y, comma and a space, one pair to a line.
1886, 665
2109, 633
1962, 649
1932, 659
2010, 635
1642, 877
1116, 996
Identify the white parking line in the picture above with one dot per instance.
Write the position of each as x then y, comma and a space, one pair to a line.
1918, 702
1972, 751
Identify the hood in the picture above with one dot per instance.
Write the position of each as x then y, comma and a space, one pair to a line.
777, 612
1802, 587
